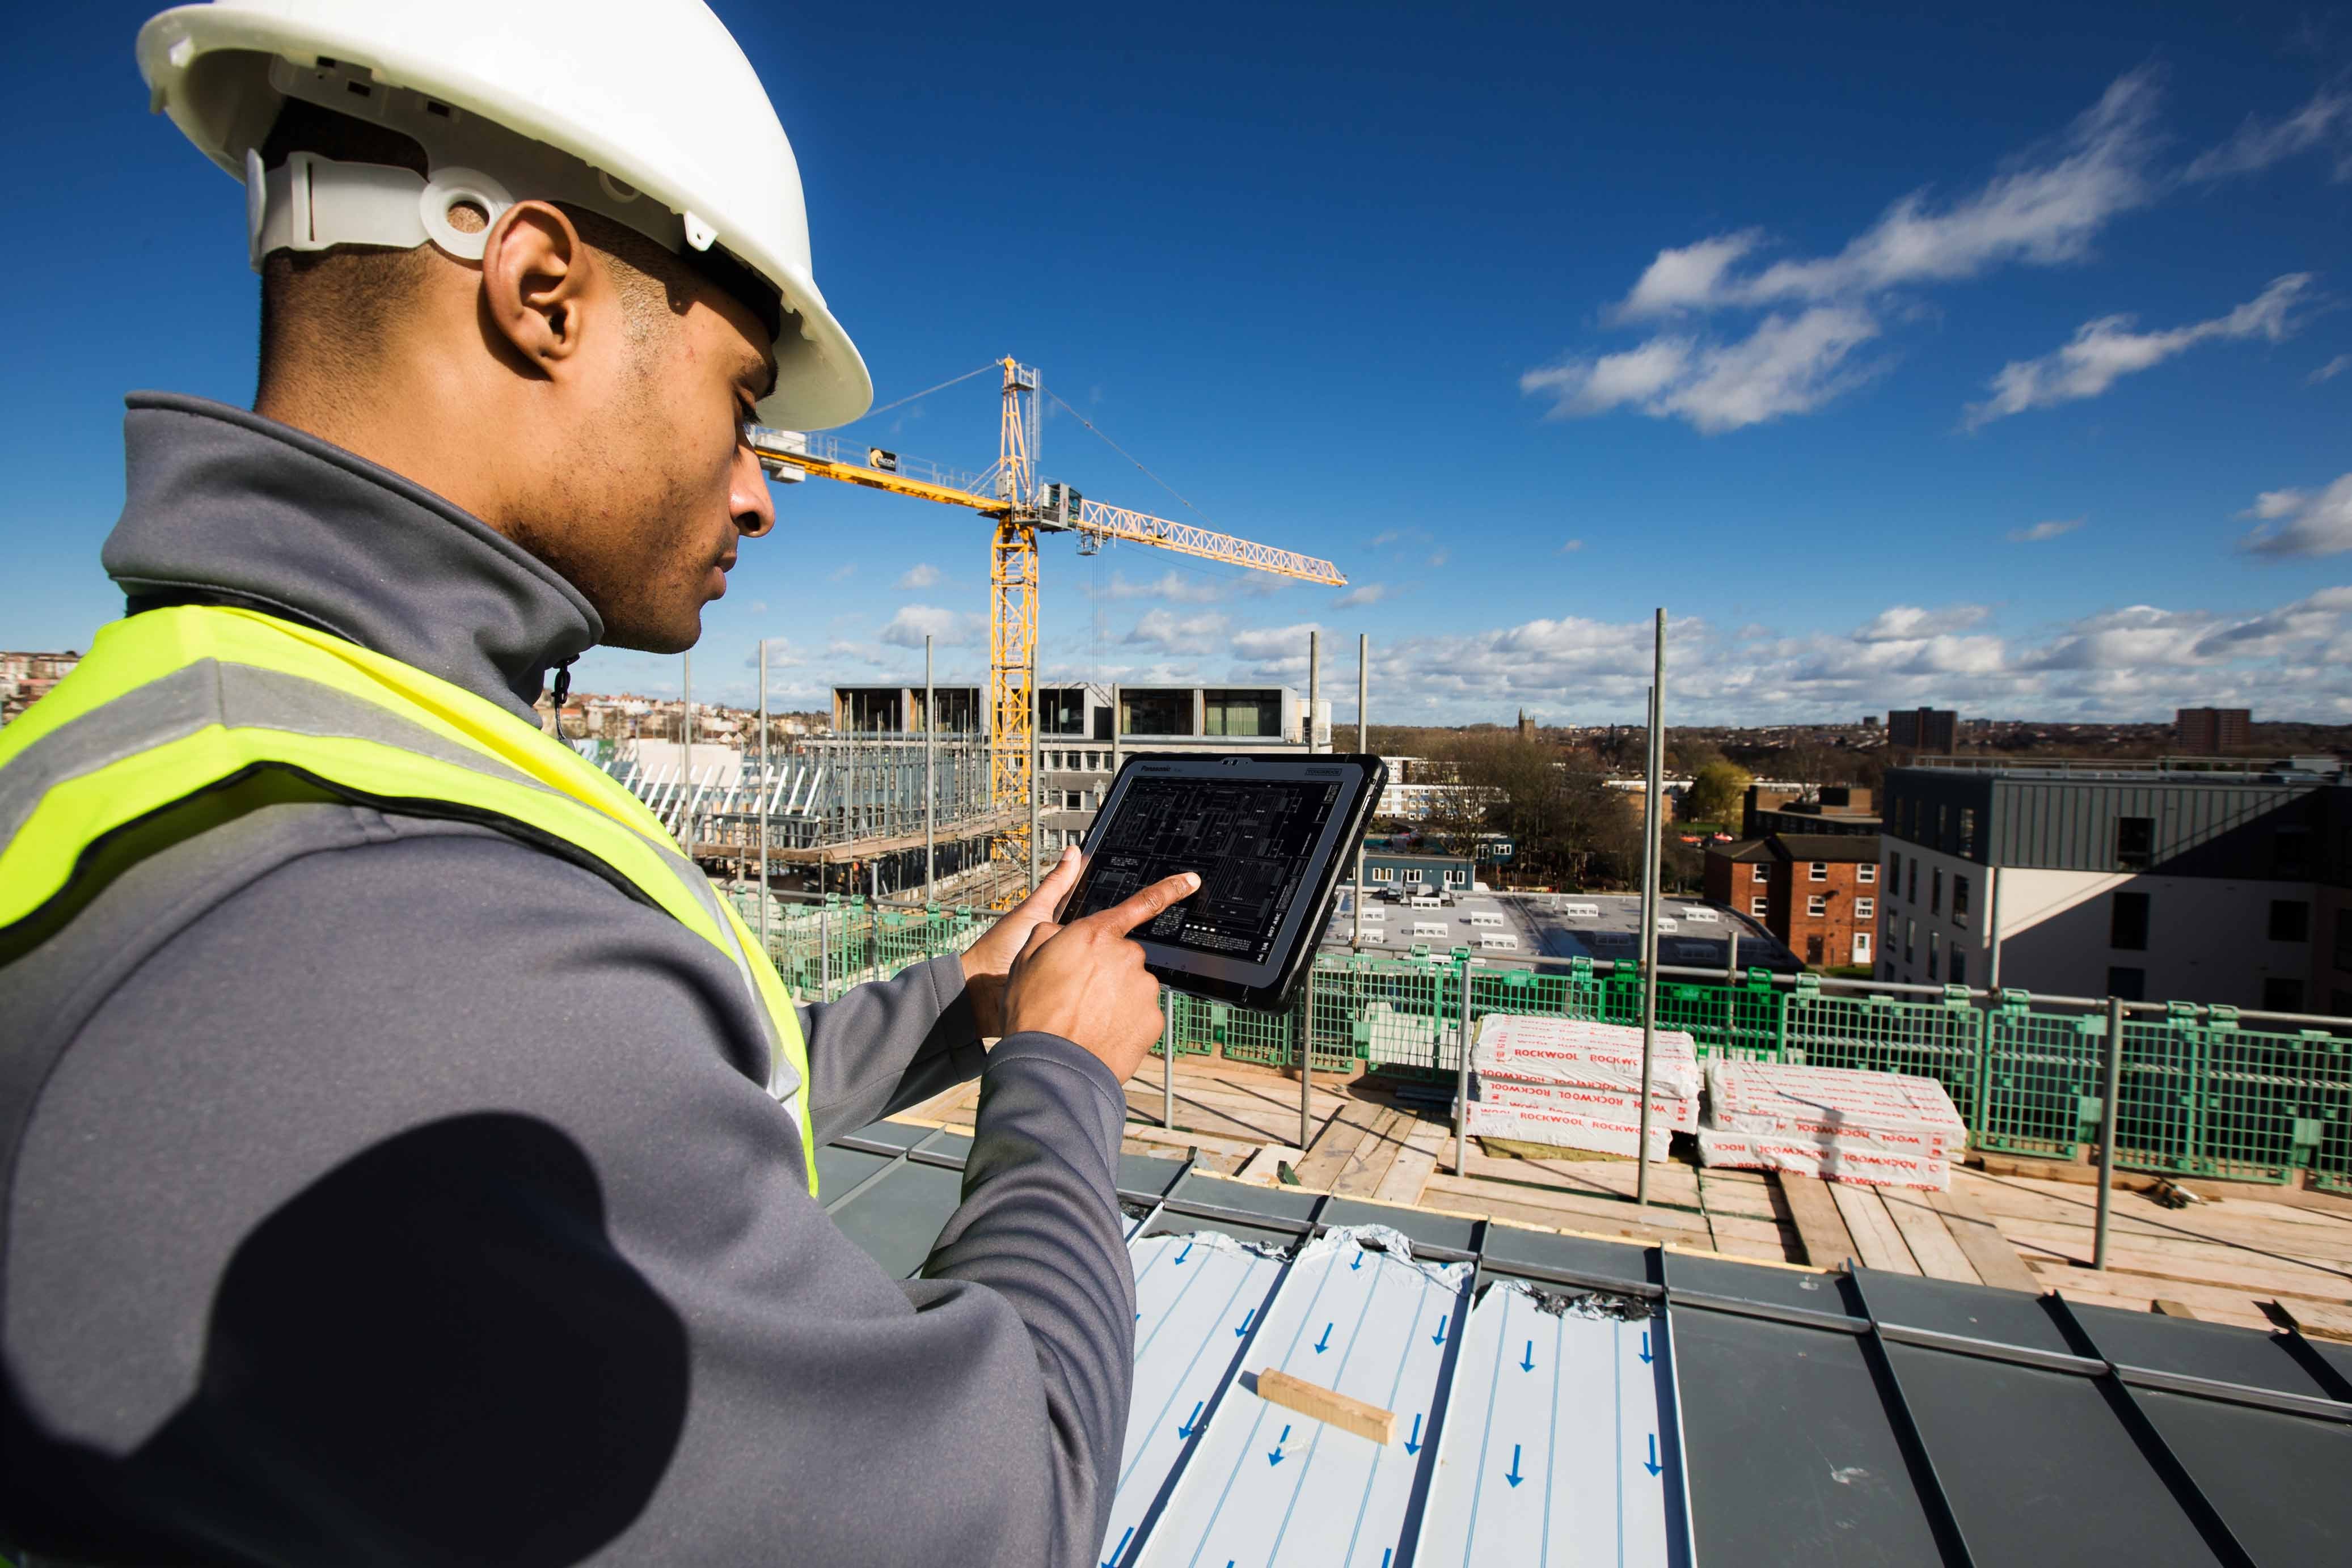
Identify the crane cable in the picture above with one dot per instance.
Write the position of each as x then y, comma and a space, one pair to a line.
927, 391
1123, 452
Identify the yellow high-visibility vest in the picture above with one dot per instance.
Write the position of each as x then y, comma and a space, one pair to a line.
174, 712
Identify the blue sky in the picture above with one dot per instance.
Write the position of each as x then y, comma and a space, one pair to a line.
1997, 358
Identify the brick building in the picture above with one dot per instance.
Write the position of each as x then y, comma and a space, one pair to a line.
2213, 731
1817, 892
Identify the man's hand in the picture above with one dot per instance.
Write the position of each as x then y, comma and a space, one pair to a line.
1085, 981
988, 961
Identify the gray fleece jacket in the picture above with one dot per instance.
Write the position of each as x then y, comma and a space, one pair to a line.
382, 1190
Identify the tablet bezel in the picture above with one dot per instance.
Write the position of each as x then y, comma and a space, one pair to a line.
1268, 985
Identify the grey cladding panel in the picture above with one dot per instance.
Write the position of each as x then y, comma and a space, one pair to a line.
1810, 1292
1143, 1173
2221, 1352
1425, 1229
2037, 1466
900, 1217
1286, 1203
1604, 1262
1972, 1312
2279, 1483
839, 1169
1792, 1461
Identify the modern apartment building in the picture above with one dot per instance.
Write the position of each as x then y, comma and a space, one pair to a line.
2212, 731
2150, 880
1817, 892
1078, 752
1932, 731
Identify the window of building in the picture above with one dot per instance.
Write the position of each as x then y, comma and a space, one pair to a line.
1155, 713
1415, 876
1866, 872
1960, 896
1812, 950
1862, 946
1819, 871
1967, 831
1866, 908
1060, 711
2129, 983
1910, 939
2290, 920
2283, 994
2135, 843
1957, 973
1912, 895
1760, 873
1074, 800
1934, 951
1817, 904
1384, 873
2127, 922
1935, 891
1456, 878
1943, 827
1242, 713
1759, 907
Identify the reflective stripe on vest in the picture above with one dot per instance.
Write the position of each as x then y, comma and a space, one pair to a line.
173, 701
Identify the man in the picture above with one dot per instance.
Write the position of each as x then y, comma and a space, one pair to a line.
404, 1160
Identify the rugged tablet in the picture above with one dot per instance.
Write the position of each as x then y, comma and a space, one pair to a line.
1270, 837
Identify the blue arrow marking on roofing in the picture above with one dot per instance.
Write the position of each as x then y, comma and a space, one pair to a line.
1439, 1337
1184, 1254
1651, 1464
1275, 1458
1325, 1343
1245, 1323
1358, 1262
1412, 1444
1645, 1347
1114, 1551
1191, 1423
1530, 1364
1512, 1475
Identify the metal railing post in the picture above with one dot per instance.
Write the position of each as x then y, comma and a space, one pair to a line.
764, 950
1306, 1055
2110, 1087
1462, 1062
930, 775
1167, 1058
1652, 832
1363, 746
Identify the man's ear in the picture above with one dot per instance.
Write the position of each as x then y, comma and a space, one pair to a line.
536, 280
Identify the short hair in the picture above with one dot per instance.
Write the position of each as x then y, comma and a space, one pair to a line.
339, 306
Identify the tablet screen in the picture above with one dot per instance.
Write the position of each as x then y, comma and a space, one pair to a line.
1253, 841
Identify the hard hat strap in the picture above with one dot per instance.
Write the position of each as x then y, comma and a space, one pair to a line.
312, 203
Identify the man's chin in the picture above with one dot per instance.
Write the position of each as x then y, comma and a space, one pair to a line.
665, 639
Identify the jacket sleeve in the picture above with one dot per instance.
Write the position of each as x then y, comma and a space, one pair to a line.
890, 1044
439, 1216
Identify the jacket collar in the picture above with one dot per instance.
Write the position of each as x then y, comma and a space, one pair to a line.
222, 506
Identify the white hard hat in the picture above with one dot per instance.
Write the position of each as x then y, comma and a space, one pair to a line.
644, 110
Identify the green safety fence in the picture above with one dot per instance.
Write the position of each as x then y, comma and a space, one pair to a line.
2201, 1092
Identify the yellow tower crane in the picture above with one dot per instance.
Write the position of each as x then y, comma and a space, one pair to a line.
1011, 496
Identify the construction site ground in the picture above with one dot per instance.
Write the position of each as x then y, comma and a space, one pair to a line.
2258, 1257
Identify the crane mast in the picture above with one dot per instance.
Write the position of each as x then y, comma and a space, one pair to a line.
1010, 494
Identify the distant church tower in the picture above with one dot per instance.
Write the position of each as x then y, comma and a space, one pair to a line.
1526, 725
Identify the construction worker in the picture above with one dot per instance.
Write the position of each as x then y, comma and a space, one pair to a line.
404, 1157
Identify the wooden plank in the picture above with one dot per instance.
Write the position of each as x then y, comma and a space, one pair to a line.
1938, 1254
1337, 1143
1748, 1200
2211, 1304
1374, 1155
2165, 1307
1573, 1209
1988, 1250
1819, 1227
1325, 1405
2187, 1259
1472, 1200
1415, 1164
1875, 1235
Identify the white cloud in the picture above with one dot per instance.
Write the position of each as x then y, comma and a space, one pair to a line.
1165, 630
2044, 210
1908, 621
2041, 531
2138, 662
1439, 558
2297, 522
1363, 593
2326, 120
1571, 548
2330, 371
1192, 587
908, 627
2104, 351
843, 572
922, 574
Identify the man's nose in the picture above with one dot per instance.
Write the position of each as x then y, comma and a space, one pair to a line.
749, 501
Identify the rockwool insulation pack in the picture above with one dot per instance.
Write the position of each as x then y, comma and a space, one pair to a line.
1843, 1123
1592, 1055
1835, 1160
1671, 1112
1567, 1129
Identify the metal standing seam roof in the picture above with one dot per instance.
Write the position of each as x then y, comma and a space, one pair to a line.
1793, 1416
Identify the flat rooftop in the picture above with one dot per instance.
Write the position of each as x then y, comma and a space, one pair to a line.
1596, 926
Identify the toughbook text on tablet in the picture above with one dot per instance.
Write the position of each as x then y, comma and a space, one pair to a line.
1270, 837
